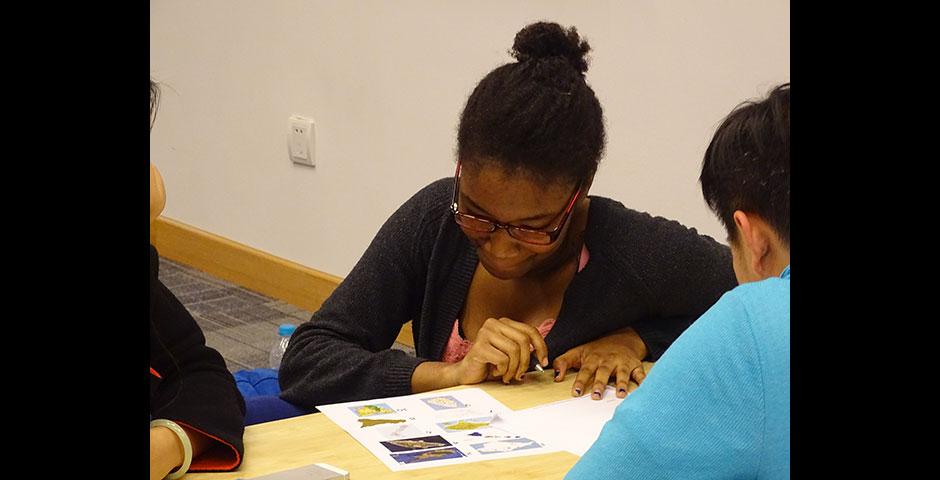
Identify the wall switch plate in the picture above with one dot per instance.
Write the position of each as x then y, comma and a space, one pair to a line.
301, 140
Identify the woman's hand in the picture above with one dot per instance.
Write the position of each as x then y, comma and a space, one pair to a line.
166, 452
621, 352
502, 348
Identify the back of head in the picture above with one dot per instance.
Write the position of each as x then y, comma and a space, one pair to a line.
747, 163
536, 116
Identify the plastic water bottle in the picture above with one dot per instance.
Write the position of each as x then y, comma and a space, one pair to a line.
283, 337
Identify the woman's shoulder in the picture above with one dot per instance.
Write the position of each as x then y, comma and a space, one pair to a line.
435, 196
425, 208
418, 221
625, 232
611, 218
438, 191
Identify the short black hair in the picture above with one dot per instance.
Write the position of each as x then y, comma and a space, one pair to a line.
747, 163
537, 115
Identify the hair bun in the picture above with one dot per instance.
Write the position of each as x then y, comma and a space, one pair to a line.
545, 40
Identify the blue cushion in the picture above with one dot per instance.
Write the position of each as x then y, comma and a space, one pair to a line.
258, 381
260, 388
266, 408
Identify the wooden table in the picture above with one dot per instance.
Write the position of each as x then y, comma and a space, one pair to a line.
284, 444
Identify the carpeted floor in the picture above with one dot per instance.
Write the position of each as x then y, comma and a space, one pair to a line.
240, 324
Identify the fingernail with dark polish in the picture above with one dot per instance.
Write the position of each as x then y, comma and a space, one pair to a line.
622, 391
597, 394
577, 391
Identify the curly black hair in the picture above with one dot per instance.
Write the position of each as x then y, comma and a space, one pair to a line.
537, 116
747, 164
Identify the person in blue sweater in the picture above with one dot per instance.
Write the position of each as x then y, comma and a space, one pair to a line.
717, 404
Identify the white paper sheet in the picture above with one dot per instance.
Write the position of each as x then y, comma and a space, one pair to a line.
435, 428
571, 425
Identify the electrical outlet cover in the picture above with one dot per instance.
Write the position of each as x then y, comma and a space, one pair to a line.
300, 140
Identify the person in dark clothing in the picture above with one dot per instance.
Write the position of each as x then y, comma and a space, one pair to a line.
511, 258
197, 413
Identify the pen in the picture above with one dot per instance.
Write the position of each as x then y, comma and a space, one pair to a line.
534, 364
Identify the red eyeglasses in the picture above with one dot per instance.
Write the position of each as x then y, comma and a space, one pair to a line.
532, 236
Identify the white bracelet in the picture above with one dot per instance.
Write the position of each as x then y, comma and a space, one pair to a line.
184, 439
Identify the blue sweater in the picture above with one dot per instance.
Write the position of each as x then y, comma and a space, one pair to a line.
716, 405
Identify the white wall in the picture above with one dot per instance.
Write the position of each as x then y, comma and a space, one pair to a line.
385, 82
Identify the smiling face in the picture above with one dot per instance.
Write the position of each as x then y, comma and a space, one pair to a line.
491, 192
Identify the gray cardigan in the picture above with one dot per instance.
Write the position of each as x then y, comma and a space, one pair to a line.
646, 272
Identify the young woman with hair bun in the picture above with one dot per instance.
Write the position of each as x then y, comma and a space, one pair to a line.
511, 258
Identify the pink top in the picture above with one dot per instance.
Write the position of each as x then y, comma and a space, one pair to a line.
457, 347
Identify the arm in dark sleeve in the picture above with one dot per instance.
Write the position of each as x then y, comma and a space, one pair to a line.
684, 274
194, 387
343, 353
